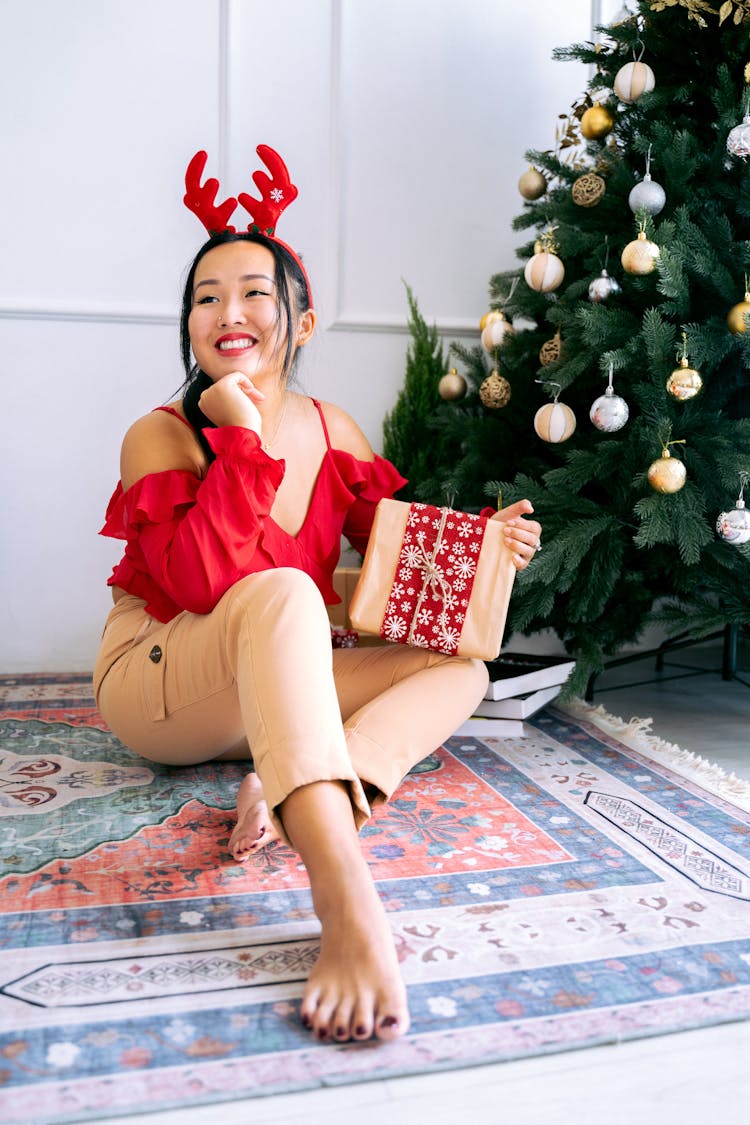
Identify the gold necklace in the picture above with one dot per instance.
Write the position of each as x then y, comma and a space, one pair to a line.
268, 444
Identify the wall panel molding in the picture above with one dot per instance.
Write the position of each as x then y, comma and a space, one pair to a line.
84, 314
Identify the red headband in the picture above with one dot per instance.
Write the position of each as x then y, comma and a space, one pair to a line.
277, 191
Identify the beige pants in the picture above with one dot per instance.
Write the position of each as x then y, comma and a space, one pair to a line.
258, 673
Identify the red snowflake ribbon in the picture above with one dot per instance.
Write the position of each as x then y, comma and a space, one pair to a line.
434, 578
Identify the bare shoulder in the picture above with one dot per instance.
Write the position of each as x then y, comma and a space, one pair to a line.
345, 433
156, 443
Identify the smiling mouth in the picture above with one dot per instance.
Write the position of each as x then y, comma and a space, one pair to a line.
238, 344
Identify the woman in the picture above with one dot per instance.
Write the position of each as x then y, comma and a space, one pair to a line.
232, 502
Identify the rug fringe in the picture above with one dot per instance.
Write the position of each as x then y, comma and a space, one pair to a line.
636, 733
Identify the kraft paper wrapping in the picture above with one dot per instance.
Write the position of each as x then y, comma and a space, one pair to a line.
484, 624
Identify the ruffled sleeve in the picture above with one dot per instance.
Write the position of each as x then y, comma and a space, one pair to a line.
369, 482
195, 538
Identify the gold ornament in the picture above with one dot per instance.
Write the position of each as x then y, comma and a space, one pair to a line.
736, 316
550, 351
596, 122
495, 391
588, 190
452, 386
493, 314
532, 184
667, 474
496, 332
633, 80
544, 272
639, 256
684, 382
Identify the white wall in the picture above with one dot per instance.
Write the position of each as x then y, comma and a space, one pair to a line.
404, 124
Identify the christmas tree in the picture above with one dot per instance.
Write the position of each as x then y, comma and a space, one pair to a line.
627, 421
410, 439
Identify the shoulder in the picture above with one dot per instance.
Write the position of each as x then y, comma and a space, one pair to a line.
345, 433
156, 443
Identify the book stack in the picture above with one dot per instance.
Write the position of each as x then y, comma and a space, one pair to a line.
520, 685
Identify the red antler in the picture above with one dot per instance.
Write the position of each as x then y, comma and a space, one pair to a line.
277, 192
201, 199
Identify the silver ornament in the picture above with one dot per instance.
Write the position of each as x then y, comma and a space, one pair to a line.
609, 412
734, 526
603, 287
738, 141
647, 196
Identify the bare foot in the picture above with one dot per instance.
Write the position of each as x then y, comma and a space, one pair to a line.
254, 828
355, 989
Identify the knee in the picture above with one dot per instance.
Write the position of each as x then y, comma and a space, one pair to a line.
480, 675
276, 593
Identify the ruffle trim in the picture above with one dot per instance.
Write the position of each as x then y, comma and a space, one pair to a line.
152, 499
368, 480
156, 497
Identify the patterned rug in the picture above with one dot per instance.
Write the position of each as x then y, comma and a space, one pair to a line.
582, 885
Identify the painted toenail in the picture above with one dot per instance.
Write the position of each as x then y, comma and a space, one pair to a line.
322, 1033
306, 1021
360, 1030
340, 1032
389, 1021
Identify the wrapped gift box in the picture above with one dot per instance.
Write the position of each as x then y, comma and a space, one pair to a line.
435, 578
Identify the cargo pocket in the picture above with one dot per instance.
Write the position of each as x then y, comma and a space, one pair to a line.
154, 673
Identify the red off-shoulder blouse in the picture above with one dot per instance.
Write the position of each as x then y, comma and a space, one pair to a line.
189, 539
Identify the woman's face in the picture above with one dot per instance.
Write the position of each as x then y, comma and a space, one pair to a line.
234, 322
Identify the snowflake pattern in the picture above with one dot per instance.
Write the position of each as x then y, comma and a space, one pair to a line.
424, 608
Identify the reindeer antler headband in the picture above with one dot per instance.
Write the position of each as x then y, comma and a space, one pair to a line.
276, 193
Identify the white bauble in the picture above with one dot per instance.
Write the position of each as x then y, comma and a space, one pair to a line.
554, 422
544, 272
633, 80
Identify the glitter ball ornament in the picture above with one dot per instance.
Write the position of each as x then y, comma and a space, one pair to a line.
452, 386
532, 184
609, 412
603, 287
639, 256
734, 526
647, 196
738, 141
633, 80
588, 190
544, 272
736, 317
496, 332
666, 474
550, 350
596, 122
495, 391
684, 382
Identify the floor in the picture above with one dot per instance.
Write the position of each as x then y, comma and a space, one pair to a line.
686, 1079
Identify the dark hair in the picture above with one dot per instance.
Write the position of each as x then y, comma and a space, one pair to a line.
292, 299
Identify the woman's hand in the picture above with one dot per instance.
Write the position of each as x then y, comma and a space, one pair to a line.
521, 535
231, 401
